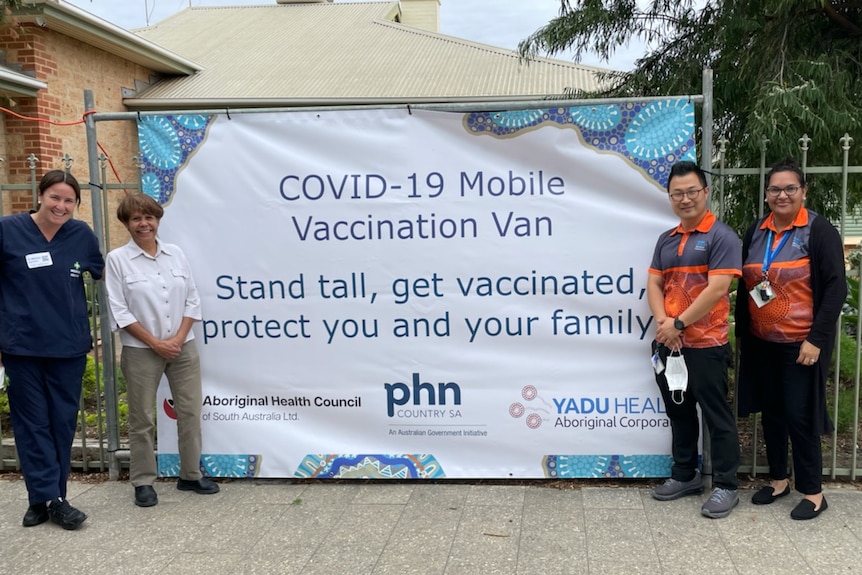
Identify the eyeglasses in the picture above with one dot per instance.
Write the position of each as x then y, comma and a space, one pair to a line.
775, 191
690, 194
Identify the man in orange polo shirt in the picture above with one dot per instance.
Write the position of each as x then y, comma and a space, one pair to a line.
687, 287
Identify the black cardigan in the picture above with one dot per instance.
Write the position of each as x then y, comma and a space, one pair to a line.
829, 290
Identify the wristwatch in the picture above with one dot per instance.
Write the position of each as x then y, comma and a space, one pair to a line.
677, 323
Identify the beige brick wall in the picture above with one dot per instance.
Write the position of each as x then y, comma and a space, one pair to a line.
68, 67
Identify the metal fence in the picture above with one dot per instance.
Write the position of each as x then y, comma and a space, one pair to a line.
101, 446
840, 450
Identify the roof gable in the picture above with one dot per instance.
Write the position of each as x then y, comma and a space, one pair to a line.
314, 53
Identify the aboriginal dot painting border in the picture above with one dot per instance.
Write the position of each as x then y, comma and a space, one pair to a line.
651, 135
213, 465
166, 144
370, 466
606, 466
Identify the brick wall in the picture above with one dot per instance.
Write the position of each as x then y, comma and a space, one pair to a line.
68, 67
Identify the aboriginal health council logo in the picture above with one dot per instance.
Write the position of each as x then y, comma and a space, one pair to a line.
533, 410
168, 407
211, 464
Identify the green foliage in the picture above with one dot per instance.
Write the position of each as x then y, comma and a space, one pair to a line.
90, 387
849, 360
851, 308
782, 68
846, 378
6, 5
93, 420
850, 316
92, 395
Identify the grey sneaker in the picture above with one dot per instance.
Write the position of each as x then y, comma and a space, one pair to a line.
674, 489
720, 503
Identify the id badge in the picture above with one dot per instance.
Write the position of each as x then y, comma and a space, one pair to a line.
762, 294
657, 363
39, 260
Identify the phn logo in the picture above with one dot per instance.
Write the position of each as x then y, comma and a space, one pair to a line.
398, 394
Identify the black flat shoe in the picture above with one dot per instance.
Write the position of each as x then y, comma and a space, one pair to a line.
805, 510
203, 486
765, 495
145, 496
36, 515
65, 515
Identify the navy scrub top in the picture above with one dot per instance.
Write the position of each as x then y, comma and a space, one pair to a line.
43, 306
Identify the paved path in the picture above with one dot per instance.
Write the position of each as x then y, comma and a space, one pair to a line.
274, 527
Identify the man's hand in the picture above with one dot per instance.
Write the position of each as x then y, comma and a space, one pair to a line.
667, 334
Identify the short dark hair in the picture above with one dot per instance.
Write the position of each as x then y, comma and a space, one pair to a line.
685, 168
138, 203
786, 165
57, 177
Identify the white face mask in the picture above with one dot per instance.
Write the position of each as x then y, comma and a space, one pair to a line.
676, 374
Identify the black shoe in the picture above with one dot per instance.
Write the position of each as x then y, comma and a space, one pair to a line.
766, 495
203, 486
145, 496
65, 515
36, 515
805, 509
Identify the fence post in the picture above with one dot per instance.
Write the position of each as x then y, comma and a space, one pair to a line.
111, 408
32, 160
856, 374
764, 140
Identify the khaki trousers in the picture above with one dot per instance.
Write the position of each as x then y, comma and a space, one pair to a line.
143, 369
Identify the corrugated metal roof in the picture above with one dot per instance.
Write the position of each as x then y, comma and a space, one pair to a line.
340, 51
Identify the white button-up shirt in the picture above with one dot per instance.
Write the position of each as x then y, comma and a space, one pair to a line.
154, 291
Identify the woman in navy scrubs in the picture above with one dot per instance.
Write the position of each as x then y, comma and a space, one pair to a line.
45, 339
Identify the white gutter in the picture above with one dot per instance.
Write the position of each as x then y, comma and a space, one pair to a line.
81, 25
21, 84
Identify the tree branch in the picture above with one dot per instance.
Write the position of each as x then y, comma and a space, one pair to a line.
840, 20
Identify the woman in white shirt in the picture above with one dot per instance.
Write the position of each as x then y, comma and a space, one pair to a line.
153, 303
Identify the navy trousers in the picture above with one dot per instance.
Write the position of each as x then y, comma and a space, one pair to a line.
44, 395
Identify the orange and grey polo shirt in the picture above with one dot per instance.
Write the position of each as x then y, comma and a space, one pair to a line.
788, 317
685, 260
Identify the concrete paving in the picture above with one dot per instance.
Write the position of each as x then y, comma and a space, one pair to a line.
333, 528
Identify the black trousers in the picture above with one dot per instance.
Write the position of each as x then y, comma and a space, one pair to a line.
707, 386
785, 391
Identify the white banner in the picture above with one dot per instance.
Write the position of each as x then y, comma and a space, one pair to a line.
402, 293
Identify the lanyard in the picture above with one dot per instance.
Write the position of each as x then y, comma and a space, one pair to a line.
769, 254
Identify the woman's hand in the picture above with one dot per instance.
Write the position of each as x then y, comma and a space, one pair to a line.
809, 353
167, 348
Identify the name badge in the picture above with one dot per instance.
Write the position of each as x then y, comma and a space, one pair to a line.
762, 294
40, 260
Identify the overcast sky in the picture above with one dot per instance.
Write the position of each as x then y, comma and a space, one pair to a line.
501, 23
